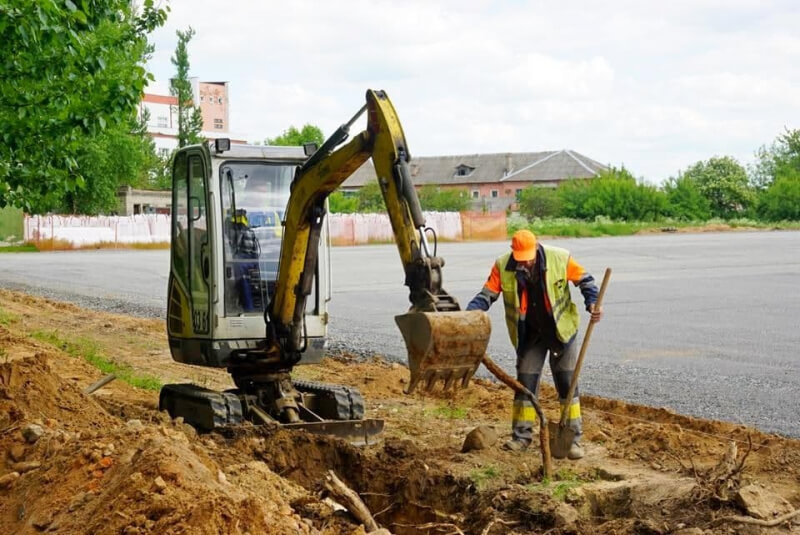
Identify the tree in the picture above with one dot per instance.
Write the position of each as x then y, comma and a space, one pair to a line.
370, 198
436, 199
724, 183
294, 137
76, 69
190, 119
614, 193
119, 155
539, 201
782, 156
339, 203
781, 200
685, 200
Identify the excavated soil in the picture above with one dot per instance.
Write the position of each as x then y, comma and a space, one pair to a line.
109, 462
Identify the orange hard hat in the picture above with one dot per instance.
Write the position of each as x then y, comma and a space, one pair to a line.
523, 245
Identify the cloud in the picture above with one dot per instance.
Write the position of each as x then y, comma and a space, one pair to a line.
656, 86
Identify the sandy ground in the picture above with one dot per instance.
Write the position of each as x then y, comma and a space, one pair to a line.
111, 463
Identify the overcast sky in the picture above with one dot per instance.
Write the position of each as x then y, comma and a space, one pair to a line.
655, 86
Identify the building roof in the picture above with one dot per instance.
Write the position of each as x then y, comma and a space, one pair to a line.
160, 99
544, 166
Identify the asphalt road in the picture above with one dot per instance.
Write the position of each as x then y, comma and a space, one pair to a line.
705, 324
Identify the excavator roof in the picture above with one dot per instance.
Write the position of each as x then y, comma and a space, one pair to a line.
259, 152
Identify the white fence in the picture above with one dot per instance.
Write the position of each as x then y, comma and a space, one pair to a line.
346, 229
85, 230
357, 229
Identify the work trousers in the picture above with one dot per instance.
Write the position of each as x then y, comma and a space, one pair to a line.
530, 363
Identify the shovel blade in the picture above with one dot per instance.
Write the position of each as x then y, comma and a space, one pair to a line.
561, 437
446, 346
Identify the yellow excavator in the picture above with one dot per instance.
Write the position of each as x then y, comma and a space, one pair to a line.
233, 270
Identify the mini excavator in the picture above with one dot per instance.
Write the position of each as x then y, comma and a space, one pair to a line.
249, 279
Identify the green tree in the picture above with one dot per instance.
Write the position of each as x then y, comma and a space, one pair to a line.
119, 155
190, 119
685, 200
294, 137
538, 201
436, 199
614, 193
339, 203
782, 156
370, 198
781, 200
724, 183
75, 69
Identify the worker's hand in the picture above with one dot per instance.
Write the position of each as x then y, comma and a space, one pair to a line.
597, 313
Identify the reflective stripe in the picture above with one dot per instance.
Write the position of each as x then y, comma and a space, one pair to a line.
520, 413
574, 411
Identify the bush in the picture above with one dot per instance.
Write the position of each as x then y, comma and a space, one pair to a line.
370, 198
537, 201
339, 203
436, 199
685, 200
781, 200
614, 194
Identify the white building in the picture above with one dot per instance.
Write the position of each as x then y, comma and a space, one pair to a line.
162, 123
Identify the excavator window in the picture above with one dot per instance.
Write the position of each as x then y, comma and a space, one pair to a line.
254, 197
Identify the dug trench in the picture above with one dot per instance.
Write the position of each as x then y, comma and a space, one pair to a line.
111, 463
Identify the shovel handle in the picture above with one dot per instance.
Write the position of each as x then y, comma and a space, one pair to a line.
574, 382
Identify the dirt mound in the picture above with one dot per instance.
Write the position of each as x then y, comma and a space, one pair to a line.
80, 470
31, 392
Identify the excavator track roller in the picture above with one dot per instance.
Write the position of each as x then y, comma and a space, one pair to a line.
446, 346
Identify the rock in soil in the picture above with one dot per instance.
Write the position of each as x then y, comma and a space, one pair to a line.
482, 437
8, 479
761, 503
32, 432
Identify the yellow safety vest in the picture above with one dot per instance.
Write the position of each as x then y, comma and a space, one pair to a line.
565, 313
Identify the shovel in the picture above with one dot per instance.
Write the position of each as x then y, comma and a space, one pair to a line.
561, 436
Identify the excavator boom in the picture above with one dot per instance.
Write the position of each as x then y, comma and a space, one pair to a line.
443, 342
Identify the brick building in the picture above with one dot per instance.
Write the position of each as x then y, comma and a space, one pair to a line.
492, 181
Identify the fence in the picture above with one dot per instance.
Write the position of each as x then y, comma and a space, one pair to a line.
358, 229
81, 231
345, 229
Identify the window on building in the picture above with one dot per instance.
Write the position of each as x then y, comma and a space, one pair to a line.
162, 121
464, 170
219, 99
494, 193
163, 152
518, 193
475, 194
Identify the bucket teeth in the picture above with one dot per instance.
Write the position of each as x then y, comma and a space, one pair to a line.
444, 345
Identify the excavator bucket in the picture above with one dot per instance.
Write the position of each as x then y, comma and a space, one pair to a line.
444, 345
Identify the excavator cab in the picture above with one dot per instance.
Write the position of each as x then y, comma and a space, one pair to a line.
226, 242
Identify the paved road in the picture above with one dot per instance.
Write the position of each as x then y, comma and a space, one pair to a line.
706, 324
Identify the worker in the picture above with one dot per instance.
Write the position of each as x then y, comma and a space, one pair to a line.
246, 253
541, 319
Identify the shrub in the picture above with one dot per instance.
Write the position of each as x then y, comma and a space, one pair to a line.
781, 200
537, 201
614, 194
685, 200
436, 199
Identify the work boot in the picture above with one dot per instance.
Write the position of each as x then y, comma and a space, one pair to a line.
575, 452
515, 445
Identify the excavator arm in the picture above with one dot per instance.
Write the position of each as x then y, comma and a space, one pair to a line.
442, 341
